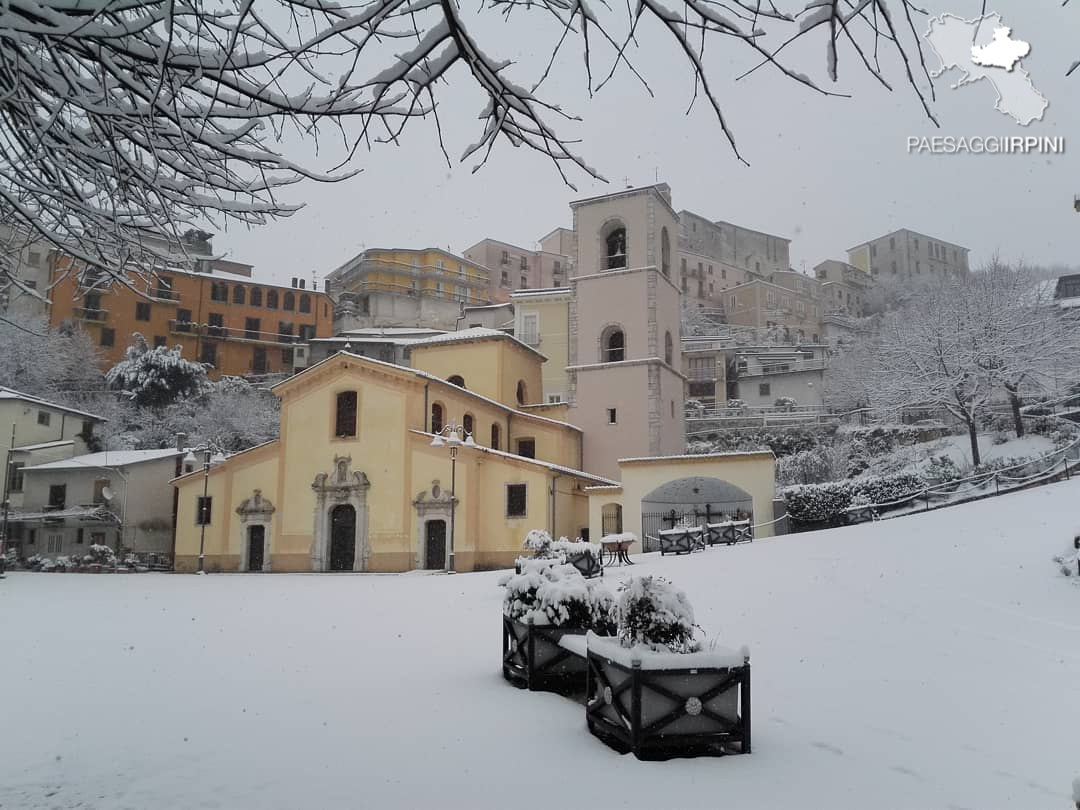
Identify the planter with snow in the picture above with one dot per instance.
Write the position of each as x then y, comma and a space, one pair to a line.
681, 540
540, 607
652, 691
585, 557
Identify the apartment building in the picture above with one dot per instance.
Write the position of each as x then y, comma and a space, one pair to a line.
511, 268
542, 321
845, 289
27, 261
236, 325
785, 309
906, 255
718, 371
404, 287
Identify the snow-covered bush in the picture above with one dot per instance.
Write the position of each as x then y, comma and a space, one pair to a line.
735, 404
158, 376
694, 407
782, 441
558, 596
816, 503
539, 542
787, 403
651, 611
941, 470
812, 466
100, 555
1069, 562
46, 565
64, 563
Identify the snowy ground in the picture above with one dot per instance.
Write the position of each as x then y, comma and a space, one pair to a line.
925, 662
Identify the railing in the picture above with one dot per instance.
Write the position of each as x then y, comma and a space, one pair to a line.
242, 334
92, 314
762, 369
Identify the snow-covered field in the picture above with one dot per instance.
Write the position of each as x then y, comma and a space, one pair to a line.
927, 662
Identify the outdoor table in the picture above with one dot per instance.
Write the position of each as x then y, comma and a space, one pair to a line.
617, 551
681, 540
729, 532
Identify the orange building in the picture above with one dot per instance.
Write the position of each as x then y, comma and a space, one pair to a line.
236, 325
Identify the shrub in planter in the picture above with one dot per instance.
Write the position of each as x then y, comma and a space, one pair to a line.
787, 403
100, 555
653, 691
540, 544
540, 606
585, 557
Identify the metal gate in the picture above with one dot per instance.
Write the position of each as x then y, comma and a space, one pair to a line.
653, 522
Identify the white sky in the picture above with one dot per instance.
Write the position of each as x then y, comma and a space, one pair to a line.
825, 172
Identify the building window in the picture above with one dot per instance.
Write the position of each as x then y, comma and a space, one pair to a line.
305, 303
208, 354
522, 393
287, 358
505, 279
159, 341
467, 422
505, 257
307, 332
142, 310
99, 489
892, 243
436, 417
530, 328
524, 263
764, 390
285, 332
526, 448
456, 379
79, 535
219, 291
516, 500
238, 294
365, 305
289, 302
216, 324
251, 328
494, 437
43, 418
665, 252
57, 495
256, 297
183, 320
33, 258
15, 479
615, 248
204, 510
524, 283
612, 416
613, 345
258, 360
345, 422
108, 336
669, 348
271, 299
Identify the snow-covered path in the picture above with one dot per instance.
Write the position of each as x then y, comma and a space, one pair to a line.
925, 662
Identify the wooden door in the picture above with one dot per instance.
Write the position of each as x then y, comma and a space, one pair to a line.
256, 542
435, 547
342, 538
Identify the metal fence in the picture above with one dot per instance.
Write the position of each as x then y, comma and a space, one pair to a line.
653, 522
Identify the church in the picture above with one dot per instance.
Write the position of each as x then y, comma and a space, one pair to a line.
446, 463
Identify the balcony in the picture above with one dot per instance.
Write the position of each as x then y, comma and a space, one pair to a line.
239, 335
98, 315
761, 369
165, 296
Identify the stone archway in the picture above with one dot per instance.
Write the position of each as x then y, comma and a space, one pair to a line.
693, 500
431, 505
256, 517
341, 487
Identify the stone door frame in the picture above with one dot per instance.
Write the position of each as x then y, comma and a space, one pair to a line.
431, 504
339, 487
256, 511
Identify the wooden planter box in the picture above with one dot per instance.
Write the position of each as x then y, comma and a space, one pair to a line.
533, 659
681, 541
666, 713
589, 565
729, 533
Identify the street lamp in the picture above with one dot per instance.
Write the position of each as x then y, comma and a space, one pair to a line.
456, 436
189, 459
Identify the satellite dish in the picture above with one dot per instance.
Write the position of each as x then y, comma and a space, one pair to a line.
107, 493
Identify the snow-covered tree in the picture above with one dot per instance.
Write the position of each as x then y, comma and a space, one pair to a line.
932, 354
121, 121
696, 322
1030, 346
158, 376
56, 365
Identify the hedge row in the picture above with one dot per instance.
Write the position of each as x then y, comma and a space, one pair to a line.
817, 503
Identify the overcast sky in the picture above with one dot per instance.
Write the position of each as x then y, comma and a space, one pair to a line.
826, 173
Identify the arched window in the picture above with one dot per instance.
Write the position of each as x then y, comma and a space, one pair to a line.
305, 302
256, 297
271, 299
456, 379
290, 302
436, 417
615, 248
238, 294
665, 252
612, 345
669, 348
467, 422
494, 436
345, 423
521, 392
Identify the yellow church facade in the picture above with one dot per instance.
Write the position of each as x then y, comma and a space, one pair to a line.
353, 483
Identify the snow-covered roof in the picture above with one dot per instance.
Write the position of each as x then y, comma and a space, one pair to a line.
11, 393
537, 462
540, 292
488, 306
42, 446
698, 457
108, 459
475, 333
390, 331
